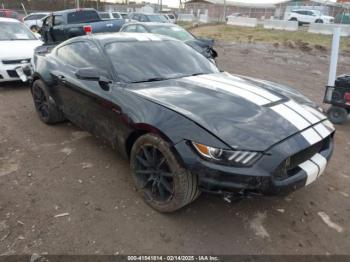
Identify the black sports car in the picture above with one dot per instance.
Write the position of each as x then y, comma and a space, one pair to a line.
185, 126
201, 45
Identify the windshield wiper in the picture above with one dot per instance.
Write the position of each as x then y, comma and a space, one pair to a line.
153, 79
197, 74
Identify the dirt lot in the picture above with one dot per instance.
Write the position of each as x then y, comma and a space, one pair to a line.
48, 171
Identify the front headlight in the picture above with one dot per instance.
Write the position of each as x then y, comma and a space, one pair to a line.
227, 157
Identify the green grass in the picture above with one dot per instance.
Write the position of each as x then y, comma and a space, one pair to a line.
259, 34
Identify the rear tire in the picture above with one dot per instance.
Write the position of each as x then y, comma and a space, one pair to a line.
337, 115
159, 177
319, 21
45, 106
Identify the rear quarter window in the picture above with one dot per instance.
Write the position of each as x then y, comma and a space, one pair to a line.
83, 17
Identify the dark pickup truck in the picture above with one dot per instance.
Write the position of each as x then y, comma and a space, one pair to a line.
62, 25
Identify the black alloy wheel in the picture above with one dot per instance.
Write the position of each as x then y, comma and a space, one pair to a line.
158, 175
40, 102
154, 174
45, 106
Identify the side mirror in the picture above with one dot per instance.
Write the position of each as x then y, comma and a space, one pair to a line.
90, 74
93, 74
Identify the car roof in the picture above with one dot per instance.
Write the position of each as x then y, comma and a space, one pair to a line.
312, 10
66, 11
142, 13
105, 38
39, 13
9, 20
152, 24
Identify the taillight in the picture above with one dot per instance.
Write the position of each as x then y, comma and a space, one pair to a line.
87, 29
347, 97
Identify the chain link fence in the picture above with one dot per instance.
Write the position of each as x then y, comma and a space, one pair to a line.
218, 13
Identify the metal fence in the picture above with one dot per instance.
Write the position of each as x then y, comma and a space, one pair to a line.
218, 13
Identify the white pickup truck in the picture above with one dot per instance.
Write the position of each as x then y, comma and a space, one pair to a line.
307, 16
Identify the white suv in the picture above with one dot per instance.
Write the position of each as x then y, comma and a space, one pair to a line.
34, 21
307, 16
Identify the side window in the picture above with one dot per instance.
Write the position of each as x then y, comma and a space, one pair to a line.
48, 21
82, 55
30, 17
130, 28
58, 20
117, 15
136, 17
141, 29
143, 18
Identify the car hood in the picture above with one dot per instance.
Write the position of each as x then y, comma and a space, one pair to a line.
328, 17
242, 112
20, 49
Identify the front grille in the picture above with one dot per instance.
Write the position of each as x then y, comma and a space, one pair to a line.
12, 73
286, 170
17, 61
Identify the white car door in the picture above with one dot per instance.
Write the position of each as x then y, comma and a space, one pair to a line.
309, 16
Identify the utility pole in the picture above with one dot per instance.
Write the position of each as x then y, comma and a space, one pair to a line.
224, 10
161, 5
77, 4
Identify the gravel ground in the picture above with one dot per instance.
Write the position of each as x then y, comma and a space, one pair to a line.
63, 192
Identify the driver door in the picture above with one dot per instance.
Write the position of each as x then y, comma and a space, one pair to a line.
87, 103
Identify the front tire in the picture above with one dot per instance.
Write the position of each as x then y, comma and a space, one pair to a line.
159, 177
337, 115
45, 106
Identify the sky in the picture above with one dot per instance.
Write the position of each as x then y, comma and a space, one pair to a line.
175, 3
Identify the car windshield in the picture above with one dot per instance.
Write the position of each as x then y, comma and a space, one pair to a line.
172, 31
144, 61
15, 31
104, 15
82, 16
117, 15
157, 18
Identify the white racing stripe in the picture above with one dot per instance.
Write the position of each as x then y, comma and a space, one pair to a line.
311, 136
316, 112
290, 115
321, 161
311, 170
238, 83
302, 111
322, 130
329, 125
214, 85
314, 167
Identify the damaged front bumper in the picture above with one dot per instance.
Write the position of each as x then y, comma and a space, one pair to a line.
25, 72
284, 168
